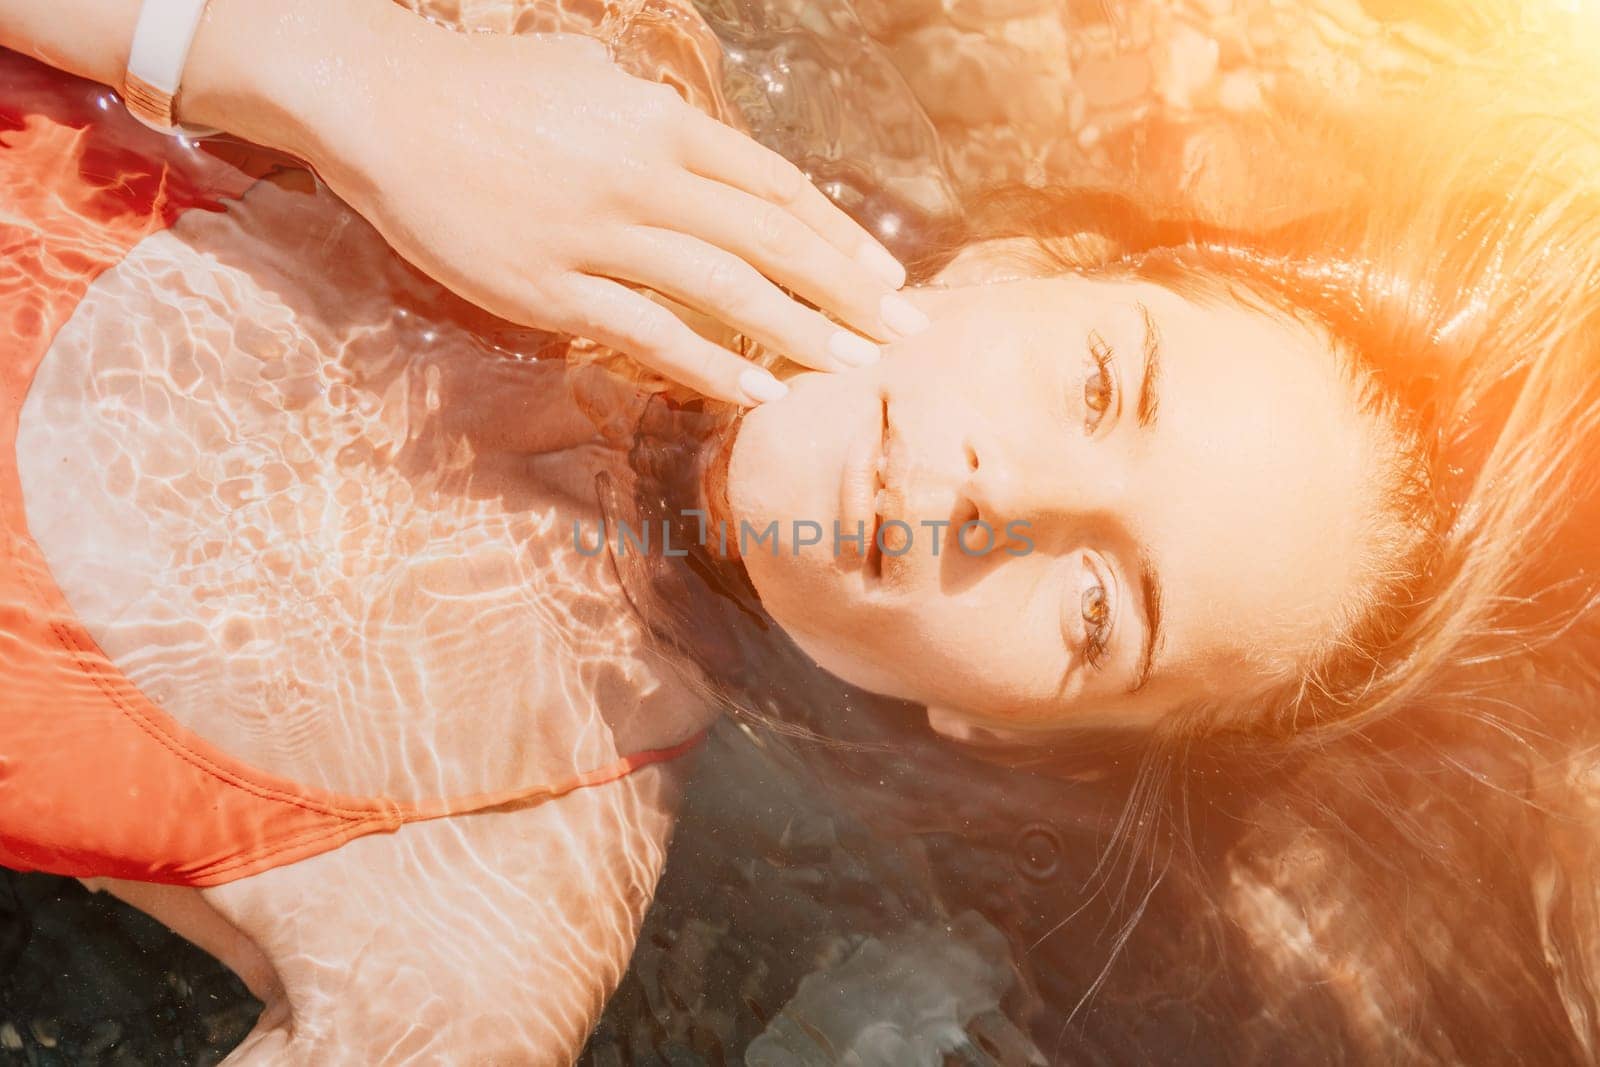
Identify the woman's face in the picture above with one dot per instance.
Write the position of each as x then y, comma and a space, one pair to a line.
1181, 496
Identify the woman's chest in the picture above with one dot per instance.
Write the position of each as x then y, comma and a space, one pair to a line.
319, 525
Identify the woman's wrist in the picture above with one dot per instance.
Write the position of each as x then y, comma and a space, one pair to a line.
300, 76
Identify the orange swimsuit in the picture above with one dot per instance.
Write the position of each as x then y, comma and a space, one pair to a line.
95, 780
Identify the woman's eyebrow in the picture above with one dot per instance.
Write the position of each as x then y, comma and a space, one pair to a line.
1148, 399
1150, 598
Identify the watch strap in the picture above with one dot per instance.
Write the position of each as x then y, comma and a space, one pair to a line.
160, 49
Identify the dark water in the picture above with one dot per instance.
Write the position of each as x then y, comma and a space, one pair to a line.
87, 980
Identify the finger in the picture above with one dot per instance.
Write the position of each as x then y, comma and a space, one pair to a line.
721, 153
724, 286
620, 318
773, 241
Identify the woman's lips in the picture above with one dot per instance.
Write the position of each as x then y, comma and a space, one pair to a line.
861, 489
879, 566
889, 506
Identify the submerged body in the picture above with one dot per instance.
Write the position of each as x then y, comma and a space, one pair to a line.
364, 596
320, 528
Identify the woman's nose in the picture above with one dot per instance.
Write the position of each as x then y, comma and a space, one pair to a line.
1015, 490
995, 495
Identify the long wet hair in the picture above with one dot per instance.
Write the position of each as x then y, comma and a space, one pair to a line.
1397, 857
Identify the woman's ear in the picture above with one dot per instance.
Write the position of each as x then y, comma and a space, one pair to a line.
1001, 259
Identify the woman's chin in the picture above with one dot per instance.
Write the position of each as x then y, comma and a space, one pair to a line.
955, 726
789, 455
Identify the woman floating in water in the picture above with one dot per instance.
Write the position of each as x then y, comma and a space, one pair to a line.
1287, 562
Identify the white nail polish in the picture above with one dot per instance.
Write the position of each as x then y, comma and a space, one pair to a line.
902, 316
759, 387
851, 349
882, 264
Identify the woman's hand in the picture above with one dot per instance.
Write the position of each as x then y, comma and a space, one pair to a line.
529, 175
536, 179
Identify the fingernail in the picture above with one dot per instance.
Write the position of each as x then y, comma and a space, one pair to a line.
881, 263
759, 387
851, 349
902, 316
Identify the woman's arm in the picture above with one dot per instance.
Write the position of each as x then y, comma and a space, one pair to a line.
491, 940
252, 70
89, 38
527, 173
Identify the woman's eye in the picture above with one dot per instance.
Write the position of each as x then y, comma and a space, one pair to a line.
1095, 606
1099, 388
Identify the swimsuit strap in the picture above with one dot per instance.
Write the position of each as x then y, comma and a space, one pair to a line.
436, 809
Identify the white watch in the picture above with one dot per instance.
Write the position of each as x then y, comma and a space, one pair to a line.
161, 41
